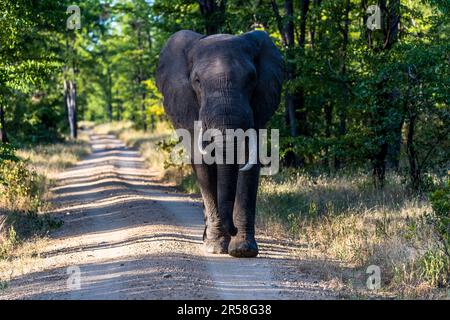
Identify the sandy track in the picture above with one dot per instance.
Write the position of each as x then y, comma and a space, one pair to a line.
134, 238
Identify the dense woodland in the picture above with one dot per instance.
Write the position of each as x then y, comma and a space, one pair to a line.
364, 121
354, 99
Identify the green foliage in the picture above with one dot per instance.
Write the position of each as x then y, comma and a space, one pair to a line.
167, 147
186, 178
21, 226
435, 263
8, 152
3, 285
7, 245
356, 97
189, 184
440, 202
18, 183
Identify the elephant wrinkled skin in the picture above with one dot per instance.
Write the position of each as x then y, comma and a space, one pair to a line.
226, 82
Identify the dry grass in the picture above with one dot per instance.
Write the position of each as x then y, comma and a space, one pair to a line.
23, 213
342, 223
146, 143
50, 159
346, 219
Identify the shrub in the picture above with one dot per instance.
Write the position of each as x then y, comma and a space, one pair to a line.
8, 244
436, 263
20, 185
440, 218
7, 152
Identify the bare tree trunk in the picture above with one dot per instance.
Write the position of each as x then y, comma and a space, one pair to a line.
3, 135
213, 13
328, 112
393, 156
70, 88
109, 94
70, 91
140, 78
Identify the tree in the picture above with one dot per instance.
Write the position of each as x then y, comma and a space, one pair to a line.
24, 62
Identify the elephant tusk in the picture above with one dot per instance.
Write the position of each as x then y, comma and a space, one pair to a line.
200, 142
252, 153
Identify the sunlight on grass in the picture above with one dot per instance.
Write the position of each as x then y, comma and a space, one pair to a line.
25, 193
50, 159
343, 222
146, 143
346, 219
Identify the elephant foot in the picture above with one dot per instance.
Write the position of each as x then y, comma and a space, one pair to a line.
217, 246
243, 247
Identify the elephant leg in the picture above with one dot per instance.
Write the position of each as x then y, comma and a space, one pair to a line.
215, 239
244, 243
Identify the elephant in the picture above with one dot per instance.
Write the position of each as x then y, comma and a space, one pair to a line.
226, 82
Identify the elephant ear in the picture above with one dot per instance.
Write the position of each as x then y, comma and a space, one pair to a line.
172, 79
269, 68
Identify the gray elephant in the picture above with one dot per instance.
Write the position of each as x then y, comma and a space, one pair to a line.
227, 82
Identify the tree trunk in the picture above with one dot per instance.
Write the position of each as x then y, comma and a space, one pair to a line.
71, 106
300, 112
394, 148
414, 170
303, 14
140, 78
279, 21
343, 70
3, 135
119, 106
391, 31
328, 112
143, 114
109, 94
291, 99
213, 13
387, 101
314, 22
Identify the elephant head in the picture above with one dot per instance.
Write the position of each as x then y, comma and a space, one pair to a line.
226, 82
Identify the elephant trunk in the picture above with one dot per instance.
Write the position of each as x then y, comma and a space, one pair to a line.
227, 175
226, 111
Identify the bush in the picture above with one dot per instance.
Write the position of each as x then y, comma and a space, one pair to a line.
7, 152
436, 264
8, 244
440, 218
20, 186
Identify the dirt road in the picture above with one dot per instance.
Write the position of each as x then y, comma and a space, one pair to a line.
127, 236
